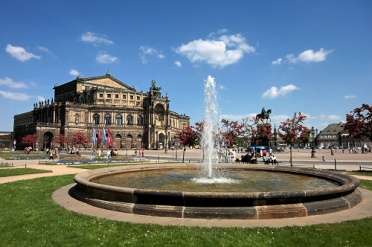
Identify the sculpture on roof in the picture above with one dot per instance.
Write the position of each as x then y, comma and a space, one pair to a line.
154, 88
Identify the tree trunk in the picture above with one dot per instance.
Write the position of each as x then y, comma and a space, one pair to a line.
290, 155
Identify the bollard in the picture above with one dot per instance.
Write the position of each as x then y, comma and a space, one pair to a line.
323, 158
25, 165
335, 165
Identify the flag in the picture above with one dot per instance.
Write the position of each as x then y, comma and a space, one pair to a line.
99, 139
104, 137
109, 138
94, 137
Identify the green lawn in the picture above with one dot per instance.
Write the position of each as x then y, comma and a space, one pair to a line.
29, 217
5, 172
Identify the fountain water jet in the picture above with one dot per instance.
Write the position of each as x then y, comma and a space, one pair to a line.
210, 123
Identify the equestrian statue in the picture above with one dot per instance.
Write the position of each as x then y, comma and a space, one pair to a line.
264, 115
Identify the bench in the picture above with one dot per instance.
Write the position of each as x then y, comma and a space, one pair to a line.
46, 162
365, 168
6, 164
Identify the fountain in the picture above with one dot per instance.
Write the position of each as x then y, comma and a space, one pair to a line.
213, 195
210, 122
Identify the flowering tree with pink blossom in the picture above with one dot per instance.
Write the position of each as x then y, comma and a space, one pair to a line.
291, 131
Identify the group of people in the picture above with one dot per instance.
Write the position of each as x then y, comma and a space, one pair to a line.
226, 156
52, 153
139, 153
28, 150
270, 159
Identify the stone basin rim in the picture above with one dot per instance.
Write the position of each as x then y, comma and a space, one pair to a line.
347, 183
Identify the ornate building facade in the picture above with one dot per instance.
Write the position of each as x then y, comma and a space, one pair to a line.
136, 119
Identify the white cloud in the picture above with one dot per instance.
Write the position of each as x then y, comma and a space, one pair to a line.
149, 51
105, 58
277, 62
11, 84
220, 52
40, 98
221, 87
309, 56
14, 96
329, 117
349, 96
178, 64
46, 50
274, 92
74, 72
333, 117
237, 117
96, 39
20, 53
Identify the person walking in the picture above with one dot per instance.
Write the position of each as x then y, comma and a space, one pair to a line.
108, 154
51, 154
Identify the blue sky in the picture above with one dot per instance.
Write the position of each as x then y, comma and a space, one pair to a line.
289, 56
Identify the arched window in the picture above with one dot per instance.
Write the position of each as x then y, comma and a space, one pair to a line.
96, 119
139, 120
107, 118
129, 120
119, 119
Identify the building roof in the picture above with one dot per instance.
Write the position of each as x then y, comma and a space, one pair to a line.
333, 129
106, 81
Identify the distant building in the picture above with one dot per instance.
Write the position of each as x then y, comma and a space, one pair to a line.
136, 119
6, 140
335, 135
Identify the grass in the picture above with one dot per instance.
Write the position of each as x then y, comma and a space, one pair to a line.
362, 173
19, 171
31, 218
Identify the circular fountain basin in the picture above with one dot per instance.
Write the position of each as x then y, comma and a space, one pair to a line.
341, 195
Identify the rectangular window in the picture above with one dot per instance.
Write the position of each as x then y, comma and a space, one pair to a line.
101, 95
124, 96
131, 97
109, 95
116, 96
138, 98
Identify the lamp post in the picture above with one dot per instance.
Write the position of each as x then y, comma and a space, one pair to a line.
176, 144
183, 157
313, 152
126, 147
166, 143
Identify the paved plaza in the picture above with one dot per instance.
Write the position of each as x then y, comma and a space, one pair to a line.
324, 160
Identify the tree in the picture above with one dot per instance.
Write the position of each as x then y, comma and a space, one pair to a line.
199, 128
231, 130
305, 136
359, 122
61, 140
258, 131
80, 139
264, 133
30, 140
291, 130
249, 130
187, 136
